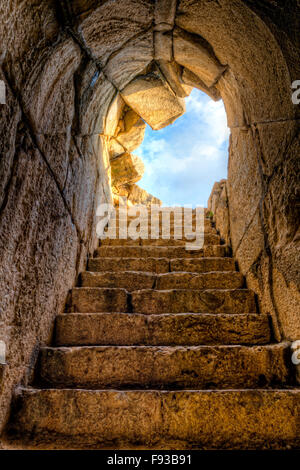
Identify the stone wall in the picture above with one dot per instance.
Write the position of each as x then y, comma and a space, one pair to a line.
82, 78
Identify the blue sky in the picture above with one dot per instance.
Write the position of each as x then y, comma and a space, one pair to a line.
183, 161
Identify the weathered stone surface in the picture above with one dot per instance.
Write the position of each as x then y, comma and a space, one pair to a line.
160, 251
212, 239
160, 265
259, 71
38, 248
115, 149
163, 46
164, 14
153, 418
131, 280
132, 60
126, 168
202, 265
192, 80
216, 280
125, 329
88, 299
49, 97
113, 115
218, 205
108, 28
244, 183
138, 195
96, 95
153, 100
190, 52
171, 71
202, 301
164, 366
133, 138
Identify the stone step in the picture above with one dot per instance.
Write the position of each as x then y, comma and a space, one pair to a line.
196, 367
210, 239
132, 280
209, 419
196, 301
183, 227
160, 252
88, 299
161, 265
125, 329
149, 301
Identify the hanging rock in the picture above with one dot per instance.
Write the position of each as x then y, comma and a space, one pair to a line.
190, 52
115, 148
151, 98
132, 139
127, 168
189, 78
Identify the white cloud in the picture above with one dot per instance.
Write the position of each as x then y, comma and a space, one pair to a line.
184, 160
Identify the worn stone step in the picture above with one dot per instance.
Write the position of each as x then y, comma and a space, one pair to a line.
127, 329
160, 252
146, 226
161, 265
202, 265
210, 239
197, 301
185, 419
132, 280
155, 265
88, 299
197, 367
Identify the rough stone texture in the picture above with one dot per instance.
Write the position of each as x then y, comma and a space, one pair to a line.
74, 329
138, 195
161, 265
90, 299
131, 280
195, 367
192, 80
55, 173
160, 251
132, 60
153, 100
190, 53
164, 14
201, 301
109, 27
237, 419
133, 138
126, 168
218, 205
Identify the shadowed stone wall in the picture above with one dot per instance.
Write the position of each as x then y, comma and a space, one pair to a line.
81, 77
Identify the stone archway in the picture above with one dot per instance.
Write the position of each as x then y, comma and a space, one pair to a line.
66, 68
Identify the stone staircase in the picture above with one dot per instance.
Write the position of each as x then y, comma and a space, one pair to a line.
161, 348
